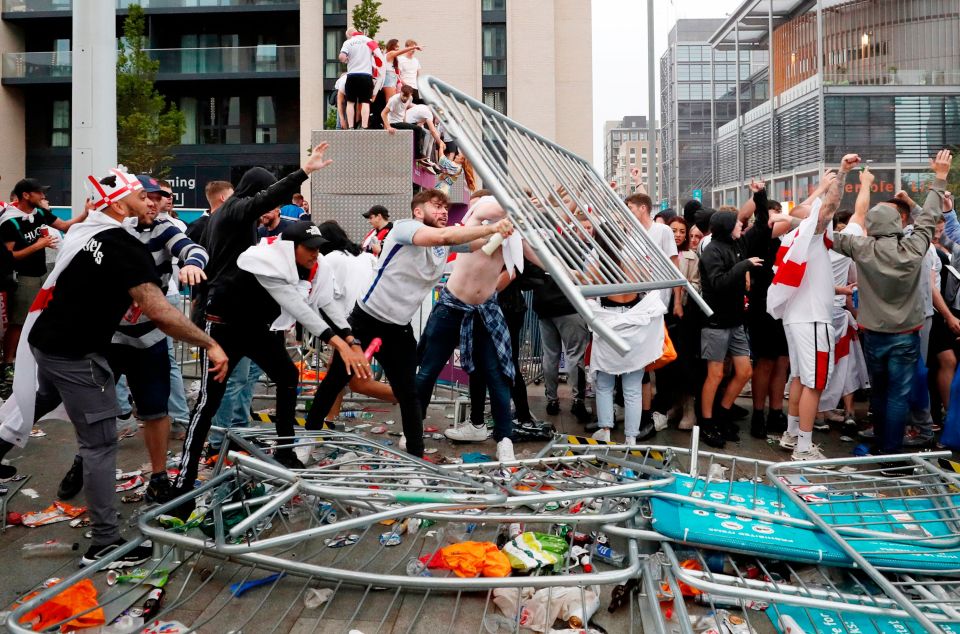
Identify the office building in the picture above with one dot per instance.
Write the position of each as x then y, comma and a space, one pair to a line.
698, 94
879, 78
253, 77
626, 147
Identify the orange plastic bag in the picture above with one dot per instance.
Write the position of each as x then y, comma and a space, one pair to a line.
475, 559
78, 598
669, 353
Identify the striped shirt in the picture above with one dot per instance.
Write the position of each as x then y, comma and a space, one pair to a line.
165, 242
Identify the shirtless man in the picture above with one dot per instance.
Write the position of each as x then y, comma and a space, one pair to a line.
413, 259
468, 315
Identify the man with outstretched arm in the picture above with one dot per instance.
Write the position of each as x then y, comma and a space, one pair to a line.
411, 263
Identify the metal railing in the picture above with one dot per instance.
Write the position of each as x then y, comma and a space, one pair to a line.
265, 58
46, 6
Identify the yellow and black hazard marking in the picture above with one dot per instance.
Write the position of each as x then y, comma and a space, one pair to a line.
262, 417
949, 465
586, 440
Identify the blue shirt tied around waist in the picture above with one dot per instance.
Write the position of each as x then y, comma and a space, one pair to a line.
493, 321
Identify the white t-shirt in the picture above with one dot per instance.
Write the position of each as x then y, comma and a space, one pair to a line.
841, 264
813, 301
359, 55
405, 274
703, 243
662, 236
396, 109
341, 85
931, 264
352, 275
409, 66
418, 114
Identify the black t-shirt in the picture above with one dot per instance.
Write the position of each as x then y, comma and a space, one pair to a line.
91, 295
23, 232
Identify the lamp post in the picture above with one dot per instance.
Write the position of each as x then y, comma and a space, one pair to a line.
651, 108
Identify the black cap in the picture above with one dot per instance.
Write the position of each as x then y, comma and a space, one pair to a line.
376, 210
28, 185
305, 233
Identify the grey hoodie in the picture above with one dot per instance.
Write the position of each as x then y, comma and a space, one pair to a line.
889, 264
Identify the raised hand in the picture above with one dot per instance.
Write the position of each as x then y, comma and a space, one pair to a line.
316, 161
867, 178
849, 161
756, 186
941, 163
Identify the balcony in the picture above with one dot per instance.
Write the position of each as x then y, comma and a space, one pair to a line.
15, 9
176, 64
892, 77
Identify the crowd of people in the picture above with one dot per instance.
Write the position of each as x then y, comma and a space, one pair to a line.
810, 306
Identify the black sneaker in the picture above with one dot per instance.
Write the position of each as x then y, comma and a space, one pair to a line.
553, 408
288, 459
159, 490
135, 557
737, 412
710, 433
758, 425
646, 432
776, 422
581, 412
724, 418
72, 483
7, 472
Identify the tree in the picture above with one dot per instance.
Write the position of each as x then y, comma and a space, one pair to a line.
367, 18
147, 124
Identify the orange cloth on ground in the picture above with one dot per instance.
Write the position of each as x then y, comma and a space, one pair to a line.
79, 597
474, 559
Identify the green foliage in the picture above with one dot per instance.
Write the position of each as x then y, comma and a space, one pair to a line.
367, 18
147, 125
331, 121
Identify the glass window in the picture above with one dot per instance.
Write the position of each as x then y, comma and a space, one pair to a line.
496, 98
217, 120
494, 49
332, 43
683, 53
188, 106
493, 5
266, 120
334, 7
60, 136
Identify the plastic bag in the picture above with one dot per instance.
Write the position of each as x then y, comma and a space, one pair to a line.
531, 550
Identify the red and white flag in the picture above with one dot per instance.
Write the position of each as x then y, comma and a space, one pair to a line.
792, 257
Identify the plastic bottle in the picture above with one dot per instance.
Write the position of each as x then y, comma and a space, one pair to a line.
49, 548
606, 554
373, 348
357, 414
124, 624
416, 568
495, 623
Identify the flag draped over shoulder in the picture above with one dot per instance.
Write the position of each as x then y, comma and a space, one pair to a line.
17, 413
792, 257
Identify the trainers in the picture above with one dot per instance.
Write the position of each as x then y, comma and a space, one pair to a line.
581, 412
788, 441
913, 438
159, 490
813, 453
867, 432
833, 416
465, 432
288, 459
553, 408
646, 432
758, 425
849, 424
7, 472
72, 483
135, 557
820, 424
737, 412
602, 434
776, 422
505, 451
630, 440
659, 421
403, 443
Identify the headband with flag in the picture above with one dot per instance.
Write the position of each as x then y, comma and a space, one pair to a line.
104, 194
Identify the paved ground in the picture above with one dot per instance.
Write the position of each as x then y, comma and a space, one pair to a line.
47, 459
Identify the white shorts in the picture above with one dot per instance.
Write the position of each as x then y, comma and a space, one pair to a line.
811, 347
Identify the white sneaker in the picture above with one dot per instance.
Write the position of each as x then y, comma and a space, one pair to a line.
631, 441
659, 421
403, 443
465, 432
813, 453
788, 441
505, 450
602, 435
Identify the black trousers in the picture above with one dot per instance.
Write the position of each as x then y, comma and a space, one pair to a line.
418, 135
478, 385
398, 358
265, 348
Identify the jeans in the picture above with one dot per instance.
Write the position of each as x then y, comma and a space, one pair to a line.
438, 341
124, 398
632, 400
891, 362
237, 398
397, 356
478, 383
567, 332
177, 404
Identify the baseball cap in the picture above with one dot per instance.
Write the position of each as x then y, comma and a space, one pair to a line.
150, 184
116, 185
305, 233
376, 210
27, 185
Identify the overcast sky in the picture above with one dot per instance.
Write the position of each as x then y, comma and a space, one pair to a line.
620, 53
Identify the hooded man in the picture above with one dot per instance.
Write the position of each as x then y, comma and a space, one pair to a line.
723, 269
891, 312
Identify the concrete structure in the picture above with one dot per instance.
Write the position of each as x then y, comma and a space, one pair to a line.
878, 78
626, 146
253, 76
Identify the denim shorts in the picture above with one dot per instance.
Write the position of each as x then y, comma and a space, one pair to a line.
148, 376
